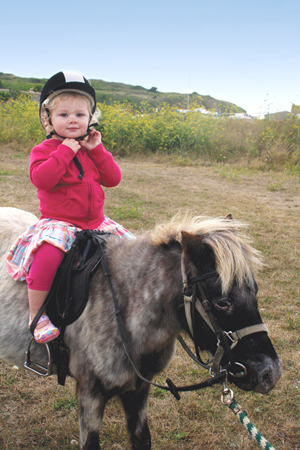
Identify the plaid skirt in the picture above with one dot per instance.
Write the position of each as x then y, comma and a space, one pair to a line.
55, 232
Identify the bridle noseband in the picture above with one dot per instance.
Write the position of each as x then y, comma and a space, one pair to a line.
226, 340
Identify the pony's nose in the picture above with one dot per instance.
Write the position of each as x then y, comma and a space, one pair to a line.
268, 377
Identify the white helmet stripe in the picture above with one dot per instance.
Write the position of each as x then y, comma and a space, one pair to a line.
69, 76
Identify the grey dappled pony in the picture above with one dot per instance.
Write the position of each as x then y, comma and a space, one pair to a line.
147, 281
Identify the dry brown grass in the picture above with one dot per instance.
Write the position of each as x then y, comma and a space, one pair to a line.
37, 413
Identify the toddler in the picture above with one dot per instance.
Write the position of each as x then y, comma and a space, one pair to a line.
68, 170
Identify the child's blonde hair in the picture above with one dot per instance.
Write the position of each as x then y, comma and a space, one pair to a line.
51, 103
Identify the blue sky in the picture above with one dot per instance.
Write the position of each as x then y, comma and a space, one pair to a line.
242, 52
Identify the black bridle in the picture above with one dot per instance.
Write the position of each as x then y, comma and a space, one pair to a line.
226, 340
217, 373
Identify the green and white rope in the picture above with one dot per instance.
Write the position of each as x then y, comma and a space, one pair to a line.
243, 418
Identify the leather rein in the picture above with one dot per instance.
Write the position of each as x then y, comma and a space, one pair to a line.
217, 373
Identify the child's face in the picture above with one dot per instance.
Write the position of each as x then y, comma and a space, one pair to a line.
70, 118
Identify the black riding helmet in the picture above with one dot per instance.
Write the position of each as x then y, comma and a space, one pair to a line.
67, 82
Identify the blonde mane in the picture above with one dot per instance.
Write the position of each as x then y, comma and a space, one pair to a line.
236, 259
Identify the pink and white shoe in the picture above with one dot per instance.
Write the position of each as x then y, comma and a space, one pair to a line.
47, 333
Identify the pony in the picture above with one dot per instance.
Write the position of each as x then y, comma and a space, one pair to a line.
148, 276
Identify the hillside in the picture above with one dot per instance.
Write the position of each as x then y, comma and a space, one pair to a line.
109, 92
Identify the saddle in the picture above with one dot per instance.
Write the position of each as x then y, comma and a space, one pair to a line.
68, 297
70, 288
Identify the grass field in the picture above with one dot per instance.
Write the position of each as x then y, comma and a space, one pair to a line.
38, 414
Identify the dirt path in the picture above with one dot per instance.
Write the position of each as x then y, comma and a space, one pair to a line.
217, 187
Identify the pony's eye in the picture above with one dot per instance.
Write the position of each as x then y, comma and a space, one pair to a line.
223, 304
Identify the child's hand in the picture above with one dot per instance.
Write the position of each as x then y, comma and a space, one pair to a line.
73, 144
93, 140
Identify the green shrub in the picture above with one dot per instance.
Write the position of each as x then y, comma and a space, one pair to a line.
19, 122
129, 130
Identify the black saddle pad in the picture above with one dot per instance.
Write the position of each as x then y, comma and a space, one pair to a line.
70, 289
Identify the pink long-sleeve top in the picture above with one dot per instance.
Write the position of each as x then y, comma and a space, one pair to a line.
62, 194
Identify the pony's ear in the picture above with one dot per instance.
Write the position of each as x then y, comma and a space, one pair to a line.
229, 216
196, 251
192, 245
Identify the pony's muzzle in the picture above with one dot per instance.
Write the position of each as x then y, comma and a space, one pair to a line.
268, 377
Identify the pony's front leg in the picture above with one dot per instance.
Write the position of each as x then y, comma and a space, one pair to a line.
136, 409
91, 405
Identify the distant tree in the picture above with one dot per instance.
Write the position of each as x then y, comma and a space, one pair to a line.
38, 88
295, 109
4, 96
34, 80
8, 95
153, 89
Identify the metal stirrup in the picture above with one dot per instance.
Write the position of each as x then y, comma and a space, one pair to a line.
44, 371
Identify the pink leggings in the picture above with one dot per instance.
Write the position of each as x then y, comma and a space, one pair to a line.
44, 266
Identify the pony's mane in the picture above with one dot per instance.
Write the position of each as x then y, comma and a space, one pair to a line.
236, 259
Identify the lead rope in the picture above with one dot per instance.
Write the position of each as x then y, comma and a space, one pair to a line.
228, 400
